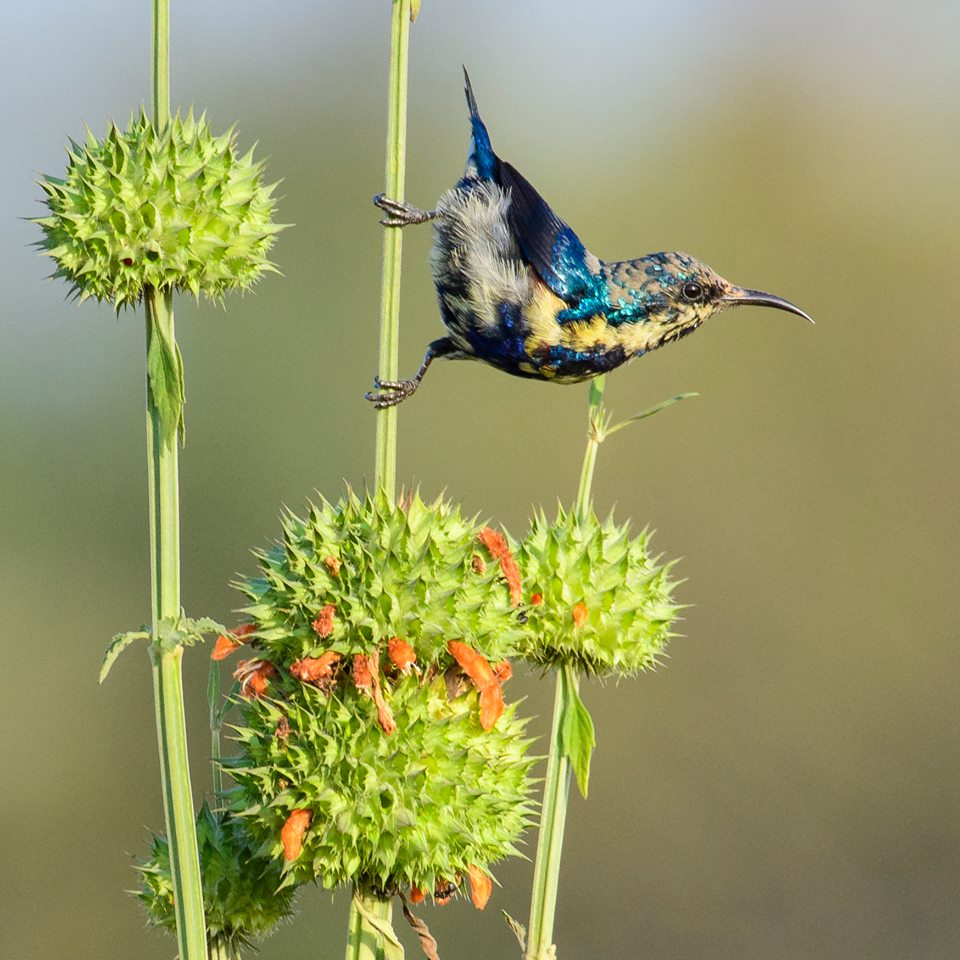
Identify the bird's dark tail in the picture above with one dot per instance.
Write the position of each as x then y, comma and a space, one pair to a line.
482, 161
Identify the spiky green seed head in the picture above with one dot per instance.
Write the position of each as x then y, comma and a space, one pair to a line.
416, 571
241, 899
387, 812
181, 209
600, 601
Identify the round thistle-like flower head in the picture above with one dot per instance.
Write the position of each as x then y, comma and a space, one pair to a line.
597, 599
376, 748
241, 899
352, 576
180, 209
344, 802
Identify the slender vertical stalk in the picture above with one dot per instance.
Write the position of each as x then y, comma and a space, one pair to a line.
166, 662
164, 494
219, 950
595, 405
386, 461
556, 789
363, 941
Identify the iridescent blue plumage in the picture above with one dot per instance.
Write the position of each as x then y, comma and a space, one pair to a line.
517, 289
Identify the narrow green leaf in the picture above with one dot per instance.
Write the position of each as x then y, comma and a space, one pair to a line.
577, 734
165, 376
649, 412
119, 643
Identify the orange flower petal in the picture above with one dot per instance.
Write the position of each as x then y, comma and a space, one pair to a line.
579, 614
481, 886
314, 669
491, 705
323, 625
253, 676
511, 573
401, 653
476, 667
496, 544
333, 564
494, 541
472, 663
536, 599
360, 671
417, 894
366, 676
503, 671
224, 647
292, 833
228, 642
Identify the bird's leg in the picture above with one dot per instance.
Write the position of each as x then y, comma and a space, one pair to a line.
400, 214
388, 393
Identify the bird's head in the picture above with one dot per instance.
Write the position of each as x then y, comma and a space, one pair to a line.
679, 292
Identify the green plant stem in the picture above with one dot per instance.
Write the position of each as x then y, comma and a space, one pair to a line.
161, 63
220, 950
363, 941
164, 494
385, 474
553, 816
166, 662
556, 789
594, 439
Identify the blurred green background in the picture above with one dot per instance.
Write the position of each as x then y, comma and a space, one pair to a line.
787, 785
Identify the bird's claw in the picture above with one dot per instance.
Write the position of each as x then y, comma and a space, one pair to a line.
388, 393
400, 214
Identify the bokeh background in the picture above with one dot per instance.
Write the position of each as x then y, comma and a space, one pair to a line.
787, 784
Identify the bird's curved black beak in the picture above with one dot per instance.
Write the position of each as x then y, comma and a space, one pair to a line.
741, 296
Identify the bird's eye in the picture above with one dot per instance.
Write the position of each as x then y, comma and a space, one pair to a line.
692, 292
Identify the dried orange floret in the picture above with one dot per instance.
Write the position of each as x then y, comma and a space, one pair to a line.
481, 886
579, 614
366, 676
315, 669
401, 654
253, 676
499, 549
323, 625
476, 667
292, 833
228, 642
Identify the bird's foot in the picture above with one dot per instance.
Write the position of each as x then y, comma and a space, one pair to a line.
400, 214
388, 393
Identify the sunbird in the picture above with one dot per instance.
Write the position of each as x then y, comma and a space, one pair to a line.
518, 290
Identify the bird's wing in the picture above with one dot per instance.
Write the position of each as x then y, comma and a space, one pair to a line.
553, 250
